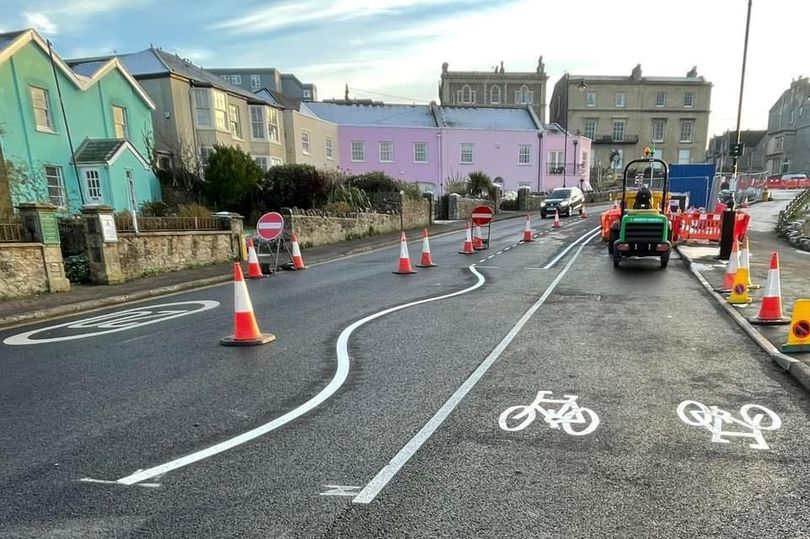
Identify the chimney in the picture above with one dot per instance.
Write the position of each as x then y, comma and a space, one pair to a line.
636, 74
692, 74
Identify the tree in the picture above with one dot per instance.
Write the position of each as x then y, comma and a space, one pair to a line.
480, 185
230, 176
294, 186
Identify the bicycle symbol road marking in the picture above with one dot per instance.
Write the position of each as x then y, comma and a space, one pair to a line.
753, 417
568, 415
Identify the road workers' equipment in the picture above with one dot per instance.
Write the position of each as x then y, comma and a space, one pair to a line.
245, 329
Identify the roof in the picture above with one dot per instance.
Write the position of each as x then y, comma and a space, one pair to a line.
104, 151
8, 38
374, 115
630, 80
277, 98
89, 69
499, 119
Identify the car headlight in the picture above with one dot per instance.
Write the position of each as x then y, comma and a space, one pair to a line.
543, 204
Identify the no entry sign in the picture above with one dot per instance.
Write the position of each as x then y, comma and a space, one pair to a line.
482, 215
270, 226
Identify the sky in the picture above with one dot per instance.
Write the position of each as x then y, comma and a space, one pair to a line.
392, 50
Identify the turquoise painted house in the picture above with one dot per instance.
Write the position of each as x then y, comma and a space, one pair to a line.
90, 147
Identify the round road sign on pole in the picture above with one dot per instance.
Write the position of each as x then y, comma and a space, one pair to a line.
270, 225
482, 215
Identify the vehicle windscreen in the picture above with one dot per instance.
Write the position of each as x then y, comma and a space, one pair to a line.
560, 193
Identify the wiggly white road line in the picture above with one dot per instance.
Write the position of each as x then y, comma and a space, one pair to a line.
341, 374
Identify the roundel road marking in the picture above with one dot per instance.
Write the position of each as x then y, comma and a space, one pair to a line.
113, 322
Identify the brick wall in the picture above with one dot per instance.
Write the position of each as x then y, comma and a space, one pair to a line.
460, 208
22, 266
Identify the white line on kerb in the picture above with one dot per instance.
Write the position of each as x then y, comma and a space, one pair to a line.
342, 349
382, 478
562, 254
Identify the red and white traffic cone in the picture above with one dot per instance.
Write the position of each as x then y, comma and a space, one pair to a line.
468, 244
731, 269
770, 312
584, 213
297, 259
478, 241
556, 219
527, 232
426, 261
745, 262
254, 268
404, 258
245, 329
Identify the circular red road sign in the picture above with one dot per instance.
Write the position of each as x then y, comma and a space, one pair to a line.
270, 226
739, 289
801, 329
481, 215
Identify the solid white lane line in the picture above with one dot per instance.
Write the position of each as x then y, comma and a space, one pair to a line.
562, 254
382, 478
342, 372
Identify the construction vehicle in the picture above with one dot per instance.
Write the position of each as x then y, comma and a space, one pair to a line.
643, 228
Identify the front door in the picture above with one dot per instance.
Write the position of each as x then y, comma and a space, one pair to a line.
92, 186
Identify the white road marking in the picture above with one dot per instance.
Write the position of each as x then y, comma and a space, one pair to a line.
499, 253
385, 475
697, 414
482, 260
479, 266
114, 322
562, 254
490, 256
568, 414
341, 490
528, 268
342, 372
802, 252
103, 482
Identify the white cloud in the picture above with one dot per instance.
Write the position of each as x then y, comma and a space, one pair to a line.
40, 22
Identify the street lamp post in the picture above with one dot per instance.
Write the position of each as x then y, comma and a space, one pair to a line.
582, 85
742, 85
576, 166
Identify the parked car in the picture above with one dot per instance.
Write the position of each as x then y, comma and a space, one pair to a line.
566, 200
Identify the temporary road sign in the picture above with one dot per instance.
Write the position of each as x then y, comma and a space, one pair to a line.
270, 226
482, 215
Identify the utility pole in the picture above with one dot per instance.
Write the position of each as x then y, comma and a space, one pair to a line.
738, 150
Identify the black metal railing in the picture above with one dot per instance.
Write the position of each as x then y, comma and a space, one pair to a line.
172, 224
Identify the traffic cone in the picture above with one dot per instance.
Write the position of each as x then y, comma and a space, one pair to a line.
478, 242
426, 261
527, 232
745, 262
770, 312
404, 258
297, 259
799, 335
739, 291
731, 269
556, 219
254, 268
468, 244
584, 213
245, 329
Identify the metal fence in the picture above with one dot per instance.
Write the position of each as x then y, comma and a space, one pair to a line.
171, 224
795, 207
11, 231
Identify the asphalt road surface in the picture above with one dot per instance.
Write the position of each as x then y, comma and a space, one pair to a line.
409, 406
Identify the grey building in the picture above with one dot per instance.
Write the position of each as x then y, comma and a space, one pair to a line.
752, 160
788, 139
254, 79
627, 113
497, 88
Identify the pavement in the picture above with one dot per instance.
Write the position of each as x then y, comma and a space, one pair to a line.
794, 276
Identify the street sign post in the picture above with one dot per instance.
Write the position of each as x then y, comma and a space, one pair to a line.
482, 215
270, 225
270, 229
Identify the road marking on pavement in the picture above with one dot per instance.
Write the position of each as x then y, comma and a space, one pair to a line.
341, 373
114, 322
568, 414
562, 254
103, 482
713, 418
802, 252
385, 475
341, 490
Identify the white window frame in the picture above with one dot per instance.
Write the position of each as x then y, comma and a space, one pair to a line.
220, 102
88, 190
276, 161
307, 94
417, 153
273, 128
263, 161
306, 142
657, 122
44, 108
524, 96
688, 156
123, 124
56, 191
690, 102
255, 82
329, 148
690, 131
590, 99
492, 99
621, 130
225, 77
202, 103
358, 151
661, 99
236, 79
524, 154
555, 162
466, 96
591, 134
385, 151
467, 149
258, 122
235, 121
621, 100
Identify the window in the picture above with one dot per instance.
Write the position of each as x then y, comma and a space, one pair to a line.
779, 143
255, 82
801, 112
524, 154
330, 148
272, 124
688, 99
42, 109
236, 79
420, 152
262, 161
257, 125
658, 127
220, 111
466, 95
661, 99
358, 150
225, 77
120, 122
687, 126
386, 151
305, 135
683, 157
586, 164
618, 130
618, 159
495, 95
466, 153
203, 108
792, 116
785, 166
555, 162
524, 96
619, 99
590, 99
590, 129
307, 94
56, 186
275, 161
92, 184
236, 123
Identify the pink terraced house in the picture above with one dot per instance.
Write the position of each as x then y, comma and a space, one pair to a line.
433, 145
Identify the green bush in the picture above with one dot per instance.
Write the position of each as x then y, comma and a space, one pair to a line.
193, 210
352, 196
293, 186
77, 269
480, 185
375, 182
231, 176
154, 208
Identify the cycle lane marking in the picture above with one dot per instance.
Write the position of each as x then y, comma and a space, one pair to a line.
715, 419
568, 414
385, 475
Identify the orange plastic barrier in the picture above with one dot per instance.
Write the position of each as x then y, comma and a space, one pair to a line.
607, 219
741, 224
697, 227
